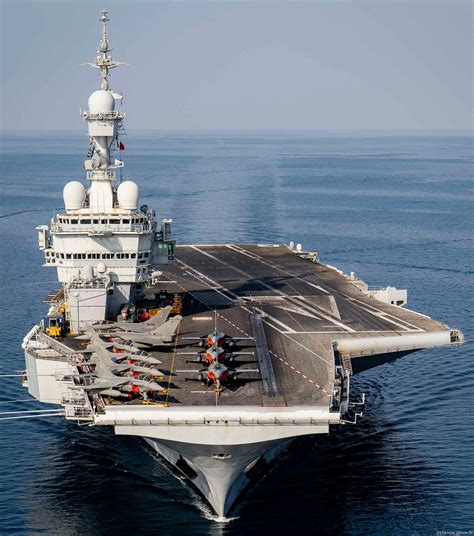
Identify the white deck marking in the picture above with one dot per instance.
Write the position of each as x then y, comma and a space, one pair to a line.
375, 311
281, 293
251, 312
382, 314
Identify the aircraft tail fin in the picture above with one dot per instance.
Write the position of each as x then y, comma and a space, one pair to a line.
168, 330
158, 319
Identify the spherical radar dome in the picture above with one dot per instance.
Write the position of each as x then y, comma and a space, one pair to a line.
127, 194
74, 194
101, 101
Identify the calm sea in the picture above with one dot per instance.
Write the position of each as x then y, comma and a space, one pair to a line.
396, 210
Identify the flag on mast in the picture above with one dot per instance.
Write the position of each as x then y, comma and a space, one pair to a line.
121, 146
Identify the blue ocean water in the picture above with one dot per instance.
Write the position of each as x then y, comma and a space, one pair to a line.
396, 210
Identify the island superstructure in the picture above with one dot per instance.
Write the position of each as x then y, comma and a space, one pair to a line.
218, 355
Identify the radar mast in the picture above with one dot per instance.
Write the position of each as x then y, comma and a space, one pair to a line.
104, 61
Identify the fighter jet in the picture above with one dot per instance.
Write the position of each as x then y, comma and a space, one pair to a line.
216, 373
112, 378
142, 327
214, 354
139, 358
124, 384
160, 336
218, 338
136, 371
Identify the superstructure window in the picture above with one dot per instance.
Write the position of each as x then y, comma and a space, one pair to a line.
74, 222
114, 222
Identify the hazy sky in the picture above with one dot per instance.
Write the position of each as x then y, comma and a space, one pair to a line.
251, 65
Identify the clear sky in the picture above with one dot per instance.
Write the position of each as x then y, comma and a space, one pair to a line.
243, 65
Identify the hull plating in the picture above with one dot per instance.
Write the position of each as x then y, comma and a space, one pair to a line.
220, 473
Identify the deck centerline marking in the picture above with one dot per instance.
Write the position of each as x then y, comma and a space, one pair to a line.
240, 305
242, 331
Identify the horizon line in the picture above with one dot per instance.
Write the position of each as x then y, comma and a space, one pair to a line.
452, 131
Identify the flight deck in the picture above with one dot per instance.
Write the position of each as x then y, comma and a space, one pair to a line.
290, 308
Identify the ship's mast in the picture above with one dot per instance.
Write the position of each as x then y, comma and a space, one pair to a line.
103, 245
104, 124
104, 60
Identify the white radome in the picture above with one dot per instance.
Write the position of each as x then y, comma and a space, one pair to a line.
101, 101
127, 194
74, 194
101, 268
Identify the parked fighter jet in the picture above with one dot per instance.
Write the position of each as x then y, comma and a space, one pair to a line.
142, 327
125, 385
160, 336
108, 378
136, 371
136, 359
214, 354
218, 338
115, 344
216, 373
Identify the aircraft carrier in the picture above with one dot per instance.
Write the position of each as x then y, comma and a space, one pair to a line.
218, 355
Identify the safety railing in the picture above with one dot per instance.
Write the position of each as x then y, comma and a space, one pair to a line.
101, 229
103, 116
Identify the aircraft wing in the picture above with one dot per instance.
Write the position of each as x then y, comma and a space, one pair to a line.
105, 383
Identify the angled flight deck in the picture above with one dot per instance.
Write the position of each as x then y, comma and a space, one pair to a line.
293, 308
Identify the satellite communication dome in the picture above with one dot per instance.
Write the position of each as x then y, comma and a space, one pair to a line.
74, 194
101, 268
127, 194
101, 101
